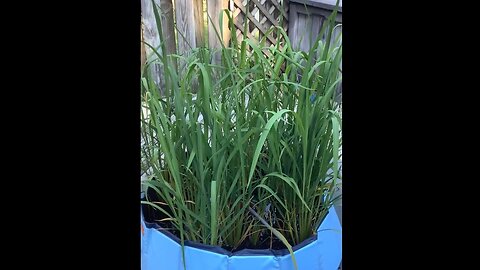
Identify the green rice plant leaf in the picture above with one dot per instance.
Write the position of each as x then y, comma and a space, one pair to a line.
262, 139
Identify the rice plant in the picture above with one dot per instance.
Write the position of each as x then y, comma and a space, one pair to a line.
246, 150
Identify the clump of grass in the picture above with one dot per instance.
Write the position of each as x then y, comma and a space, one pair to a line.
245, 143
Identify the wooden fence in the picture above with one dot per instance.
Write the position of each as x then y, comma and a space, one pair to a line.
262, 15
191, 23
306, 19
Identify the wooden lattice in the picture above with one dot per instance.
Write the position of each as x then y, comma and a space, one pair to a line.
262, 15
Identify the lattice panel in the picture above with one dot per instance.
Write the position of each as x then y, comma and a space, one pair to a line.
262, 15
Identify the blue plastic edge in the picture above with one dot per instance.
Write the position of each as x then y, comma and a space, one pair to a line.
159, 251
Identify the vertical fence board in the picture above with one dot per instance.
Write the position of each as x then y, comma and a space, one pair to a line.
214, 7
199, 23
184, 14
143, 55
151, 36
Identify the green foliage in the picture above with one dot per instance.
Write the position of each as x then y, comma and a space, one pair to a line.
255, 135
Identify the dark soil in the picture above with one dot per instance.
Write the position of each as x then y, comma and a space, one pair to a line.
153, 215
